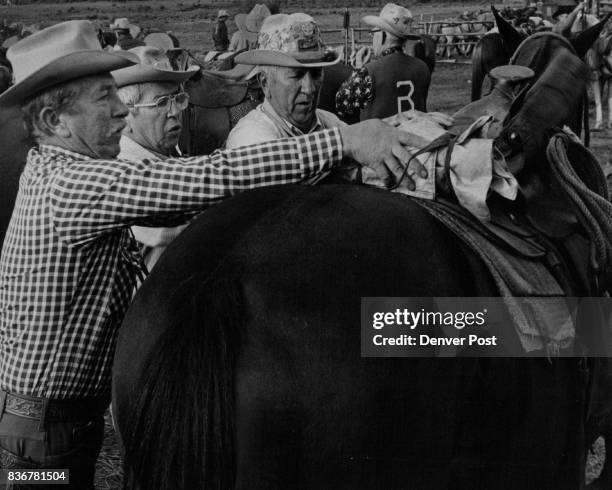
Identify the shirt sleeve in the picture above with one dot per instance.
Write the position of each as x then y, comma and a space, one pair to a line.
93, 197
355, 93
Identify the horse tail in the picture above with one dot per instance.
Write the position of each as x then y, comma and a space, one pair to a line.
478, 71
180, 431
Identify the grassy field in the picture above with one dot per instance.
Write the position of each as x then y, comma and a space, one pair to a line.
192, 24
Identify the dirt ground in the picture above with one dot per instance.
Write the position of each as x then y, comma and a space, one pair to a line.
192, 23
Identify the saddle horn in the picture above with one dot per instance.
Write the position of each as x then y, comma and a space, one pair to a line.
511, 38
585, 39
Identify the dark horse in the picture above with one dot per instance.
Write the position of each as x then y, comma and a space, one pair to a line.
238, 365
496, 48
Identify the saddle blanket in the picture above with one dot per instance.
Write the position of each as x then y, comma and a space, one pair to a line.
542, 317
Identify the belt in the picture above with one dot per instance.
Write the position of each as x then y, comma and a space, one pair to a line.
69, 410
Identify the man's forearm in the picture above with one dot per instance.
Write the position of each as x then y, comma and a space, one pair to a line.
95, 197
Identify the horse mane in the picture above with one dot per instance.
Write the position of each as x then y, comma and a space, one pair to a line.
189, 379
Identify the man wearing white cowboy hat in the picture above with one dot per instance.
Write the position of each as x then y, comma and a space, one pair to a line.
69, 263
220, 37
396, 82
153, 94
248, 28
290, 57
126, 33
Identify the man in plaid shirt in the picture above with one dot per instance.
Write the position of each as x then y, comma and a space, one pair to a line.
69, 263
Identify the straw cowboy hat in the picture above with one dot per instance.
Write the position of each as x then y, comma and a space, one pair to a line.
123, 24
292, 40
58, 54
393, 19
222, 14
154, 66
250, 24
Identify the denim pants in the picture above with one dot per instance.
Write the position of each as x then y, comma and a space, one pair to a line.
27, 444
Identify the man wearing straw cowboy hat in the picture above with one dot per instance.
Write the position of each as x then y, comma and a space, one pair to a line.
396, 82
69, 263
248, 27
290, 57
153, 93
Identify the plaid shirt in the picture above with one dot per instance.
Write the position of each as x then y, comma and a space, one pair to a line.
70, 264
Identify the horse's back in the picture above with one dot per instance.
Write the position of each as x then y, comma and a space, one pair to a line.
293, 262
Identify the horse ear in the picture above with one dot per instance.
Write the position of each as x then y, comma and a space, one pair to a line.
585, 39
511, 38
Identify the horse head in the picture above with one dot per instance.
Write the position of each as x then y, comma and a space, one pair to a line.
558, 178
553, 98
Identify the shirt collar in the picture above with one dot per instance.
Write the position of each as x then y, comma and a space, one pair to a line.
130, 150
295, 131
52, 150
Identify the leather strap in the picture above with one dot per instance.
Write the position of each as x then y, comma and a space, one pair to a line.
47, 410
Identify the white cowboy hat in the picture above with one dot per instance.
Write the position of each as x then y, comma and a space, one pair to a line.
161, 40
292, 40
121, 23
58, 54
154, 66
393, 19
222, 13
250, 24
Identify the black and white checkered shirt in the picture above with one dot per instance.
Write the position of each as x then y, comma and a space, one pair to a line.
69, 264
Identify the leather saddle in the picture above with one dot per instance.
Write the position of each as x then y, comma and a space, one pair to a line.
217, 100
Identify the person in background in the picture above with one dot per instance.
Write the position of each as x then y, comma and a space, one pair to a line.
220, 37
393, 83
248, 28
126, 33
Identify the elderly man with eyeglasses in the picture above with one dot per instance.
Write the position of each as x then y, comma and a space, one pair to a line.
153, 93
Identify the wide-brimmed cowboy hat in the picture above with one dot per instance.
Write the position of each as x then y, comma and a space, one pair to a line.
123, 24
250, 24
58, 54
161, 40
154, 66
393, 19
222, 14
292, 40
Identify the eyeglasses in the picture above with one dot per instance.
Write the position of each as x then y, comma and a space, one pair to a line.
181, 100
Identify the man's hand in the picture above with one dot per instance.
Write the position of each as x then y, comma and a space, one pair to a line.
381, 147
